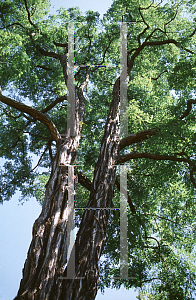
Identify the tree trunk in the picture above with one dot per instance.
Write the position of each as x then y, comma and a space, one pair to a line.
46, 260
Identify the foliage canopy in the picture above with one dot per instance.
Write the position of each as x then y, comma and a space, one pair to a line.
161, 90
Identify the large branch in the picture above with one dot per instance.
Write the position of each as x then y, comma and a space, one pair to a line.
48, 53
165, 42
64, 45
152, 43
12, 24
135, 155
84, 180
189, 106
51, 105
135, 138
29, 15
145, 29
33, 113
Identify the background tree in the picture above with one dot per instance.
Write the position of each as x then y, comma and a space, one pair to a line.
159, 149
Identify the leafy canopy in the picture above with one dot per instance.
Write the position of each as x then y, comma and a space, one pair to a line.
161, 185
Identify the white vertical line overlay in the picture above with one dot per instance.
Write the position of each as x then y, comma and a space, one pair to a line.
70, 82
123, 223
123, 169
70, 225
123, 81
71, 132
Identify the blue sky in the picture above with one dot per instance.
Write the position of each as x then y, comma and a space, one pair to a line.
101, 6
16, 220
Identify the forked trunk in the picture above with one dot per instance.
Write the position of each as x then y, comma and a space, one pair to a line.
45, 270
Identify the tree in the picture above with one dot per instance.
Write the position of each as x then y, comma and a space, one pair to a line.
159, 148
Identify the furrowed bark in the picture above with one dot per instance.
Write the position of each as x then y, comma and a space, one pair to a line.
46, 258
92, 232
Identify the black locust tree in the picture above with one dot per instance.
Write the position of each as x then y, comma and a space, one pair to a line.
37, 116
